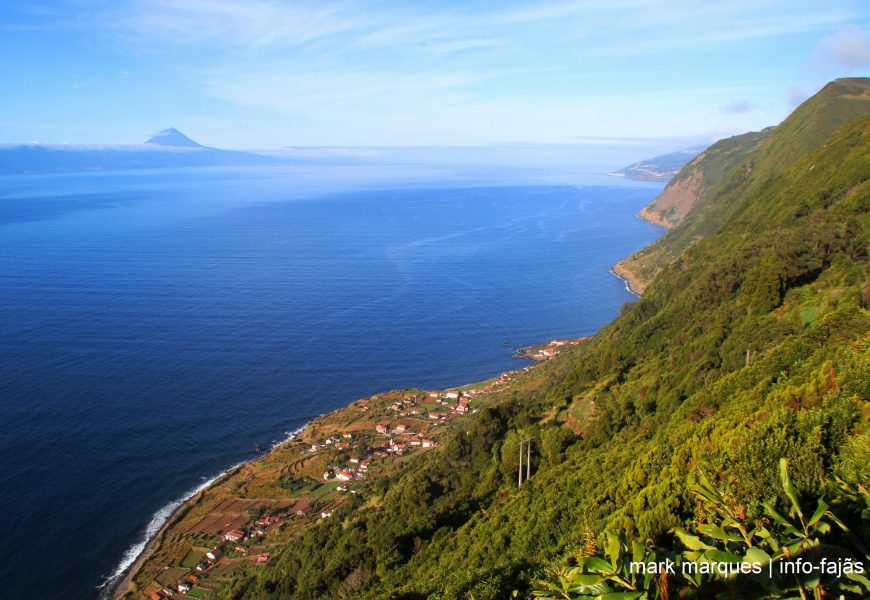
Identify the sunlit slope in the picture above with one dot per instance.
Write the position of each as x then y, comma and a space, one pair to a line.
746, 166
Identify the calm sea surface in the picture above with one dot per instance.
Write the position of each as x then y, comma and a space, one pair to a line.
156, 327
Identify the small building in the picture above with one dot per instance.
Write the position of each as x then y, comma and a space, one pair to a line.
263, 559
381, 428
183, 587
400, 428
303, 510
345, 475
427, 443
452, 394
234, 536
214, 553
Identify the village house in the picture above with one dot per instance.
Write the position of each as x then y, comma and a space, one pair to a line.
234, 536
183, 587
303, 510
267, 521
345, 475
381, 428
214, 553
427, 443
263, 559
400, 428
452, 394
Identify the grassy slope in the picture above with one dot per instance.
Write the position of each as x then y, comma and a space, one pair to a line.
707, 168
737, 167
621, 422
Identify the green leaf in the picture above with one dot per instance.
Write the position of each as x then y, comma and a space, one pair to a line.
639, 552
789, 489
773, 514
596, 565
692, 542
860, 579
756, 555
585, 580
714, 531
621, 596
821, 509
722, 556
612, 550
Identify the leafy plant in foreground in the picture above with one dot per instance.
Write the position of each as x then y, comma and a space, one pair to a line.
727, 556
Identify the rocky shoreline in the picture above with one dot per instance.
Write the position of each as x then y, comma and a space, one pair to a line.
632, 282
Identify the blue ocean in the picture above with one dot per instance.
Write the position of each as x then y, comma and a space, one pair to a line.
156, 327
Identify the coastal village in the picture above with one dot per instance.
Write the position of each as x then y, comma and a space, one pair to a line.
239, 522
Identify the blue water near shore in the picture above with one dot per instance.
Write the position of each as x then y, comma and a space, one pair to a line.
156, 327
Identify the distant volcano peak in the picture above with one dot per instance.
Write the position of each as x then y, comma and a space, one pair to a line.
172, 137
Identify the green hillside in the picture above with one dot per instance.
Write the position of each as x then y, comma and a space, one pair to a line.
693, 182
665, 433
740, 167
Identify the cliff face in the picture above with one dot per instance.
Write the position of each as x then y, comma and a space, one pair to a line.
688, 188
702, 195
678, 198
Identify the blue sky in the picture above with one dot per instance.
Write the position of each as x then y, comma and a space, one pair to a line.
266, 74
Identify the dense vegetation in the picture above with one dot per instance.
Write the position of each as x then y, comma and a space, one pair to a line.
741, 167
735, 388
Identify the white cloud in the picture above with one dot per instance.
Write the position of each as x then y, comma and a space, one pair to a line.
254, 23
849, 48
